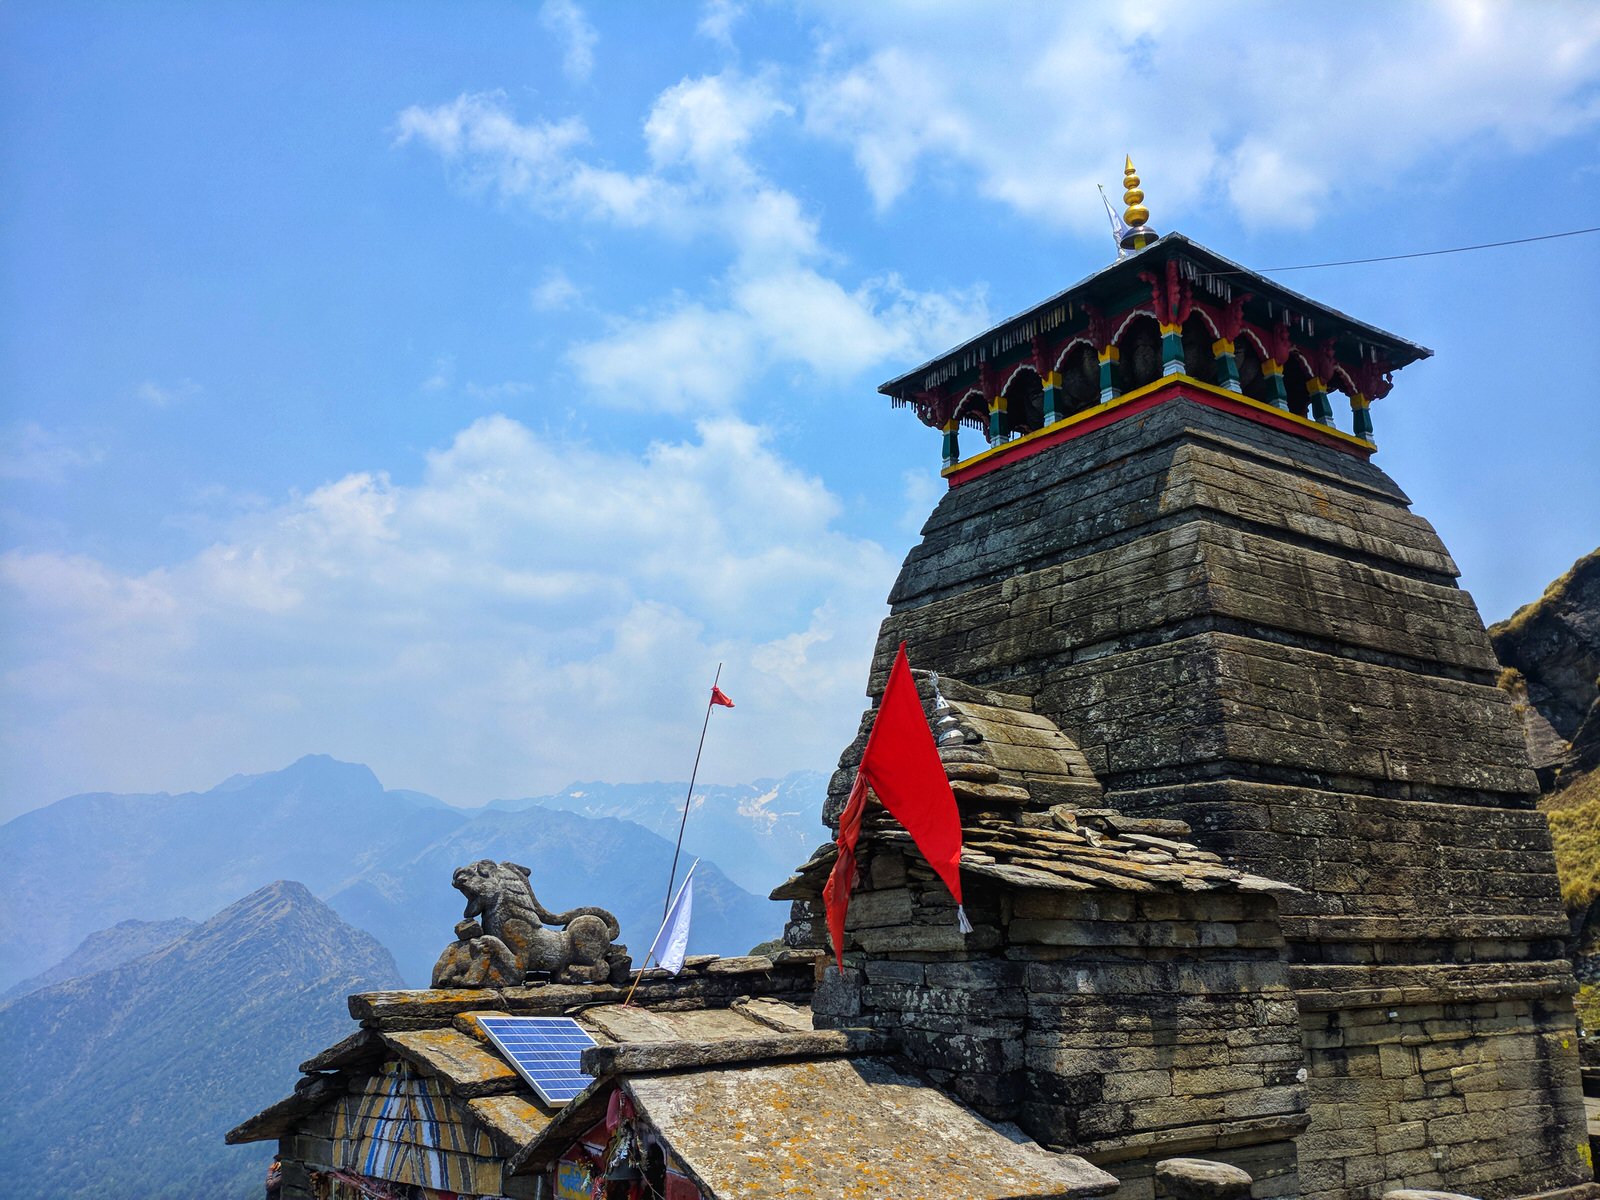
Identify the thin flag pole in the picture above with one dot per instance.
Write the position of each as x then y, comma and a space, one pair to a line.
637, 975
683, 824
650, 955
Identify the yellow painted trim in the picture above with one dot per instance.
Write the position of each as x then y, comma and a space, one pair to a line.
1316, 384
950, 426
1271, 366
1166, 329
997, 404
1138, 393
1109, 354
1052, 379
1358, 401
1222, 346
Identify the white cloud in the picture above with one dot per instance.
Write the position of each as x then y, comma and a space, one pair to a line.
774, 306
707, 123
530, 612
30, 453
565, 20
1314, 103
717, 19
555, 292
159, 395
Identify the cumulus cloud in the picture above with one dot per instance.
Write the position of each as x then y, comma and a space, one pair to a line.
717, 18
529, 612
159, 395
555, 292
778, 303
1313, 104
565, 21
30, 453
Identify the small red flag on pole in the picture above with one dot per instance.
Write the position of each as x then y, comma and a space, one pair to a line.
901, 764
718, 696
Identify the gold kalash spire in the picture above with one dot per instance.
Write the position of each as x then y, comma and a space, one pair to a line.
1135, 216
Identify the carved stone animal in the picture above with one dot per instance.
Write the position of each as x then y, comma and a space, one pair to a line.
583, 952
475, 960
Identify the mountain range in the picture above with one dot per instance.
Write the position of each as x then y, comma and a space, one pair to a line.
756, 832
122, 1082
381, 858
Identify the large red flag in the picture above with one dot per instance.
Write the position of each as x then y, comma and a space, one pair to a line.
901, 764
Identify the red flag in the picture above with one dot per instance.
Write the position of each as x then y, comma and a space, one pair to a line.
901, 764
718, 696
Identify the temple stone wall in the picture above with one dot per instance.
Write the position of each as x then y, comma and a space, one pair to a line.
1251, 632
1124, 1026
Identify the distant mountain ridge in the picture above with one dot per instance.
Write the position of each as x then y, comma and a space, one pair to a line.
381, 857
772, 825
107, 948
122, 1083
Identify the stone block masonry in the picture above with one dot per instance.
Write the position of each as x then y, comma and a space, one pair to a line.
1252, 633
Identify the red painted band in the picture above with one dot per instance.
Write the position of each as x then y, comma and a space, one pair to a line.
1144, 403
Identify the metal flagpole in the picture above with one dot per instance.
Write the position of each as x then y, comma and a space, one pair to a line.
683, 824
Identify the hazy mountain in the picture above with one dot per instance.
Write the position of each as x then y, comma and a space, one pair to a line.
575, 860
757, 832
107, 948
122, 1083
382, 858
89, 861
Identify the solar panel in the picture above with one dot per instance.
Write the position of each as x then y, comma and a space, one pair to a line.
544, 1051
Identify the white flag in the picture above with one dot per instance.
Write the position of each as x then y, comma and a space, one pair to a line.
1119, 228
672, 943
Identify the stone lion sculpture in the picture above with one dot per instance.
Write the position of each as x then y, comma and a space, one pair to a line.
515, 941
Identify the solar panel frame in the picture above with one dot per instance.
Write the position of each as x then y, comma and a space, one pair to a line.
545, 1051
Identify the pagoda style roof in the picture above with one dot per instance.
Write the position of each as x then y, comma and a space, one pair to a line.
1119, 287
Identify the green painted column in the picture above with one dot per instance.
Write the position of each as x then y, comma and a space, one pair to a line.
952, 442
1363, 416
1227, 365
1321, 410
1110, 374
1054, 400
1172, 349
1272, 372
998, 425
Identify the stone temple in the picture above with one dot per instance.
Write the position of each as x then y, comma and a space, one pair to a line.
1169, 568
1260, 901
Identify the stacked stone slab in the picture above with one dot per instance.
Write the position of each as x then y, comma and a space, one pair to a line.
1250, 632
1122, 995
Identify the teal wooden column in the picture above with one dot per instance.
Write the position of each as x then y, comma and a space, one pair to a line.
1172, 349
1227, 365
1272, 373
1053, 398
998, 425
952, 442
1110, 374
1362, 415
1321, 410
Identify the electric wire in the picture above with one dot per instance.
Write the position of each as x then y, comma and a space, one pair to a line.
1352, 262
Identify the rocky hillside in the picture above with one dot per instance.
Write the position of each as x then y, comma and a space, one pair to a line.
122, 1083
1551, 651
107, 948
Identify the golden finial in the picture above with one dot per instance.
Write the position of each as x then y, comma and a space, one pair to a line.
1136, 236
1136, 214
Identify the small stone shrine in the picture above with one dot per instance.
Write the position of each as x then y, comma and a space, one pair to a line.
1261, 903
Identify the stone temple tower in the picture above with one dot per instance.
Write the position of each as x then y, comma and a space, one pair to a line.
1164, 547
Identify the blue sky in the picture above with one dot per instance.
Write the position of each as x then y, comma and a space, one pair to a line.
451, 387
